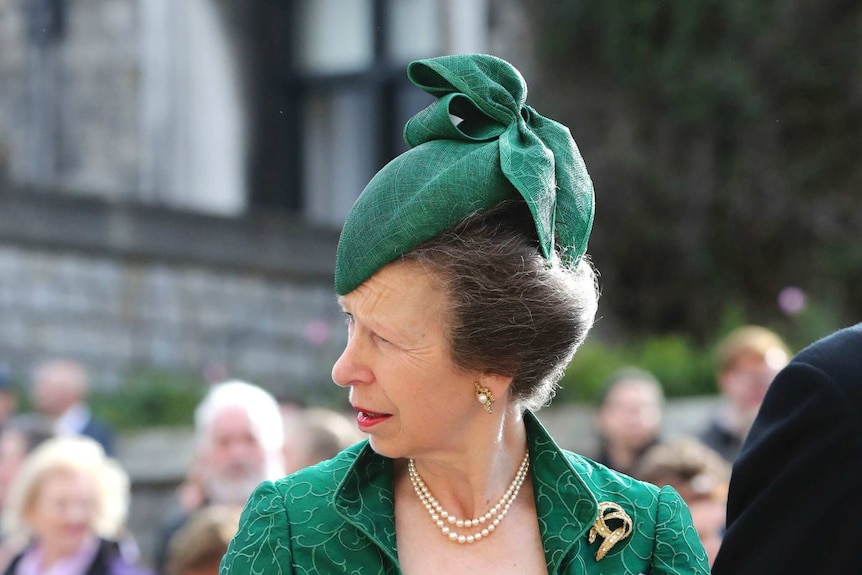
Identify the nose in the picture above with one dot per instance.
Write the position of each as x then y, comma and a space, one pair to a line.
241, 449
78, 512
351, 368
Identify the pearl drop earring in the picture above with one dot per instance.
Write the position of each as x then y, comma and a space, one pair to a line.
485, 397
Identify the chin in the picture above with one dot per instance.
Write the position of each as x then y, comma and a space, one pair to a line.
384, 448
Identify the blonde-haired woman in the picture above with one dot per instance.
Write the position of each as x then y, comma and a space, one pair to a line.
68, 506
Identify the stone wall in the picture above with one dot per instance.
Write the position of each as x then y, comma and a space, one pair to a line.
124, 288
119, 314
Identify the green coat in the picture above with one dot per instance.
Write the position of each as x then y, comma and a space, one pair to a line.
338, 517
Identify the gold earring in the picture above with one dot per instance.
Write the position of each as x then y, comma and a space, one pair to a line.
485, 397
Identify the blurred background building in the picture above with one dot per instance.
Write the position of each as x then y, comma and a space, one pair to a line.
173, 174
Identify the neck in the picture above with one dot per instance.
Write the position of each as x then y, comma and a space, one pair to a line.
50, 555
621, 456
468, 481
736, 420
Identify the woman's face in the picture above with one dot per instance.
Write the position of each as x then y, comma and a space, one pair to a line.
63, 512
631, 415
746, 382
409, 396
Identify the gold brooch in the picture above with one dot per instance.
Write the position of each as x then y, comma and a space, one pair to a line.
609, 511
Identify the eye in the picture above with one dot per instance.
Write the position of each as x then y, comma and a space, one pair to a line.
349, 322
382, 339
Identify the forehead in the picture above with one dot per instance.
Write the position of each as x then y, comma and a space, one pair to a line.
399, 291
748, 360
62, 479
632, 390
231, 420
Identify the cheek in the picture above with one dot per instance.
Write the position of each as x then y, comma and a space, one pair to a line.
47, 521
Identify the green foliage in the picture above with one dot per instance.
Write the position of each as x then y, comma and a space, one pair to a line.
683, 368
817, 320
589, 370
148, 399
723, 140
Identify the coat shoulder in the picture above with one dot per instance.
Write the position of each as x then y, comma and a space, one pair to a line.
308, 486
604, 482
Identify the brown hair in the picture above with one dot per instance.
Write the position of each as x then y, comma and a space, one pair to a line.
204, 538
750, 340
689, 466
512, 312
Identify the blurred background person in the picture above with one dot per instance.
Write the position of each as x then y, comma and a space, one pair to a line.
67, 506
239, 438
795, 500
59, 391
21, 435
748, 359
708, 517
197, 548
8, 398
628, 418
701, 477
190, 494
316, 434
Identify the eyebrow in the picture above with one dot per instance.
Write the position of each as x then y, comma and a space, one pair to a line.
342, 305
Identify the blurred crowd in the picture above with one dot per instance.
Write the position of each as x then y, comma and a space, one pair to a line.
628, 423
65, 498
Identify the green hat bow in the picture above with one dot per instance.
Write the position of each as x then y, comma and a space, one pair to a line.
501, 149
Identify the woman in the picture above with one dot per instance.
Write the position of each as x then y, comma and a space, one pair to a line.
628, 418
68, 503
462, 274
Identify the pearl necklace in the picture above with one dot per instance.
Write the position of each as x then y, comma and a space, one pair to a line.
489, 521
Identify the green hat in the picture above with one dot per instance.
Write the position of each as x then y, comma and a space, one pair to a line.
502, 149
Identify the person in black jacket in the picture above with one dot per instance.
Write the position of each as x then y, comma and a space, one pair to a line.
795, 499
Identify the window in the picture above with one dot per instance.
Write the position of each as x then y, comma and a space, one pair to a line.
347, 73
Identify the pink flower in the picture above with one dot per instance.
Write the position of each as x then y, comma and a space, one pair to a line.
792, 300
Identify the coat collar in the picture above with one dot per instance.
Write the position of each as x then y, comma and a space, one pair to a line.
565, 506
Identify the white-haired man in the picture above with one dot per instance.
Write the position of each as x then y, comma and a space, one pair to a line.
239, 438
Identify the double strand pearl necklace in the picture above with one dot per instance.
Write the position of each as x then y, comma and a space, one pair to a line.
488, 522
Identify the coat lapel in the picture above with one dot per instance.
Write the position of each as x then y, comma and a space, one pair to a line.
565, 506
365, 500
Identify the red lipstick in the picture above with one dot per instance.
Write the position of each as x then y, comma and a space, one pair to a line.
368, 419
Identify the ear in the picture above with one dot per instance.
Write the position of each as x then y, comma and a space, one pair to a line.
497, 383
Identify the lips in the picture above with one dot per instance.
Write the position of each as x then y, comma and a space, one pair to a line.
367, 419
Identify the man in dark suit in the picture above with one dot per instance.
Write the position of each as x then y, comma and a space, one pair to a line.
795, 500
59, 391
